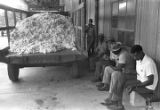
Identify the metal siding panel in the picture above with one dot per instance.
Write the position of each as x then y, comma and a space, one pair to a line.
138, 21
92, 12
148, 25
107, 19
101, 16
158, 42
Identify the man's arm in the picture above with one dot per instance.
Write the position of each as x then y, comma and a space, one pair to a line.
148, 82
119, 67
143, 84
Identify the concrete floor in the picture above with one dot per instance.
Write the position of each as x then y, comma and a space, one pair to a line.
51, 88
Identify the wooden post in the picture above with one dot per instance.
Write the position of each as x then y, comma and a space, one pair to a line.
84, 26
74, 70
21, 15
96, 19
14, 14
7, 25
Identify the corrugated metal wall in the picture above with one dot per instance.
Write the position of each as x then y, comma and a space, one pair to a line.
90, 10
104, 18
146, 34
107, 19
148, 27
101, 16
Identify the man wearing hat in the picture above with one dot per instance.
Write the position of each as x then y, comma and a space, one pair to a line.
113, 78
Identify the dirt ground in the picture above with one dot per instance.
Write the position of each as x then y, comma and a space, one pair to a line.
51, 88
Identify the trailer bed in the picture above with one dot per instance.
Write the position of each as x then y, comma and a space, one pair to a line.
64, 56
61, 58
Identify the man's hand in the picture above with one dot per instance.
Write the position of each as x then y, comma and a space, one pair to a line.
113, 67
130, 89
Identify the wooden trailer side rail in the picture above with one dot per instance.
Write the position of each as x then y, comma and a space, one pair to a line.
61, 58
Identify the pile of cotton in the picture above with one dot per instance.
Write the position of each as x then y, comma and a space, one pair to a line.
42, 33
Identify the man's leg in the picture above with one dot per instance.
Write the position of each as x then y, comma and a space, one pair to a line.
97, 72
92, 62
143, 90
89, 48
106, 78
116, 91
92, 48
99, 67
116, 86
105, 64
131, 82
107, 75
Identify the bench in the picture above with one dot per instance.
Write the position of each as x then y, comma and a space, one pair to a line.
145, 99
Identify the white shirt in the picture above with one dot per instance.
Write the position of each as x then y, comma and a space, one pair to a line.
147, 67
113, 56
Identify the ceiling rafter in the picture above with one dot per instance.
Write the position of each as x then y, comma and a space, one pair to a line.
44, 5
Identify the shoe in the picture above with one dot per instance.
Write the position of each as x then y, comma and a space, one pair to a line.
100, 84
95, 80
109, 103
116, 107
104, 88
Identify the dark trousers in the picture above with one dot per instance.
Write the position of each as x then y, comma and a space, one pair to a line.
90, 48
100, 66
140, 90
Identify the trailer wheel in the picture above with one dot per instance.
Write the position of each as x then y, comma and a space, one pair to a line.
13, 72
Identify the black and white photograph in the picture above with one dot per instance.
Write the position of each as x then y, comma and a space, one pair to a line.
79, 54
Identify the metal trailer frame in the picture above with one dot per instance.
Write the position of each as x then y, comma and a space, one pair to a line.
61, 58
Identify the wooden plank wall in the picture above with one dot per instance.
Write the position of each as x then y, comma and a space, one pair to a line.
101, 16
157, 57
90, 10
107, 19
148, 27
147, 19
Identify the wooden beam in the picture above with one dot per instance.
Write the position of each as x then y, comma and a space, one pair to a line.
14, 15
96, 19
7, 25
79, 7
5, 28
11, 9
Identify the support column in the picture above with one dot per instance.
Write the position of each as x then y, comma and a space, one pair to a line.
74, 70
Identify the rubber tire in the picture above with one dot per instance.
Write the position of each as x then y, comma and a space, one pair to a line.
13, 72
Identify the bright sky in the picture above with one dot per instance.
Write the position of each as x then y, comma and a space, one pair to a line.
19, 4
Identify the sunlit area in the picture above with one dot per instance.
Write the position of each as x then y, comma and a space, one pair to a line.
122, 5
18, 4
3, 33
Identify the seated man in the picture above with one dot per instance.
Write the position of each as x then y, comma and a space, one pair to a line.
103, 61
113, 78
99, 52
147, 76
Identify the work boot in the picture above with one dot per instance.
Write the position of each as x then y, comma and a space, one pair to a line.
116, 107
100, 84
104, 88
96, 79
